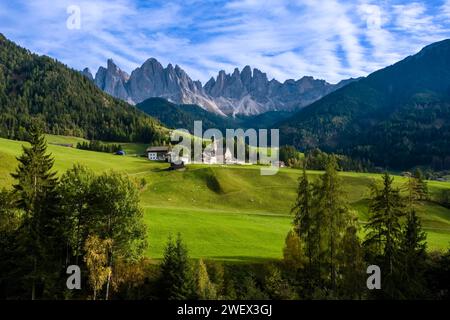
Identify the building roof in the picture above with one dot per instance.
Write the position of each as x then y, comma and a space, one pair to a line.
158, 149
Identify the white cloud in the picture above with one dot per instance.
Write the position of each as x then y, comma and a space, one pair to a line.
329, 39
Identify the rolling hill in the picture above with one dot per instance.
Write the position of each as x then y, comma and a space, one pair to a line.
229, 213
397, 117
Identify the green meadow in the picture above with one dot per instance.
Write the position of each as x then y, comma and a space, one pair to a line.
228, 213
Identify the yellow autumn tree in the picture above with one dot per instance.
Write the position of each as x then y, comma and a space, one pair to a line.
96, 259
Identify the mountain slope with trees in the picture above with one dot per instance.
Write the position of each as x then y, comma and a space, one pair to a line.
182, 116
396, 117
40, 89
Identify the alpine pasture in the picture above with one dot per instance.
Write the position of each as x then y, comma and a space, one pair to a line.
228, 213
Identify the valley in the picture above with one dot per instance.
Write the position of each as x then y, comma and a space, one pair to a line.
226, 213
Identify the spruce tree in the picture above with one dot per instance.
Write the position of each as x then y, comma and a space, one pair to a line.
384, 230
335, 217
177, 278
35, 189
303, 220
413, 255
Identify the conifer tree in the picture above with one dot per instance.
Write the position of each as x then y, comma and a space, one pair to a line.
413, 255
384, 230
35, 189
303, 220
177, 279
333, 209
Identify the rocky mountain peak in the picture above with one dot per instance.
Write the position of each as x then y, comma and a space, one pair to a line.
87, 73
241, 92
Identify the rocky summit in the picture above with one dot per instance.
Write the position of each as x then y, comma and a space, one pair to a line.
249, 92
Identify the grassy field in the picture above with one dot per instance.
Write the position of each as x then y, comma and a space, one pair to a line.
131, 149
223, 212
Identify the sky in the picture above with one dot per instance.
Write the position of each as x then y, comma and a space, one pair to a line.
287, 39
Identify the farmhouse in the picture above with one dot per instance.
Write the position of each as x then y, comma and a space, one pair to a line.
161, 153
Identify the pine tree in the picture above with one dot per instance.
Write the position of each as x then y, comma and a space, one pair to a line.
335, 215
177, 279
384, 229
413, 255
302, 207
36, 196
304, 224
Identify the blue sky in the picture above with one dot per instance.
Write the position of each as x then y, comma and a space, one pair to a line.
327, 39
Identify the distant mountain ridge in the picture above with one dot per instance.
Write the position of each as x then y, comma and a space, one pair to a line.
241, 93
397, 117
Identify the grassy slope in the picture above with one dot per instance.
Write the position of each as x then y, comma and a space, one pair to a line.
227, 213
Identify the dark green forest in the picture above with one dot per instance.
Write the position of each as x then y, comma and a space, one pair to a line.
396, 117
38, 89
183, 116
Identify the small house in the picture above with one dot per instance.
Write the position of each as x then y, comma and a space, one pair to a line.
158, 153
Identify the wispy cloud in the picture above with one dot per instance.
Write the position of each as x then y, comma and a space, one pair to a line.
329, 39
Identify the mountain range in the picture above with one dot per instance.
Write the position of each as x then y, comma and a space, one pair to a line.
249, 92
397, 117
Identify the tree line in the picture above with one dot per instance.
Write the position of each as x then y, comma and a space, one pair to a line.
316, 159
332, 252
99, 147
49, 223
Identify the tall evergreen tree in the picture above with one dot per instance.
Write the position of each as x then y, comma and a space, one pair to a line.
177, 277
384, 230
413, 255
335, 217
303, 220
35, 189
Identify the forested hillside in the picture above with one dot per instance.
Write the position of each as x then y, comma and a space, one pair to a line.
397, 117
38, 88
183, 116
